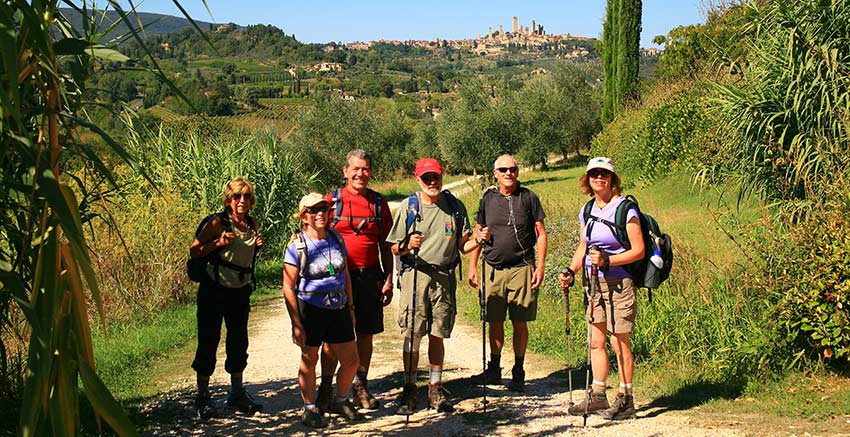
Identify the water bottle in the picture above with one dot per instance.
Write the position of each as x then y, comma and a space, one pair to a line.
656, 259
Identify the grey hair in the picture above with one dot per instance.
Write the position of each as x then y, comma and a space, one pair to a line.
359, 153
506, 155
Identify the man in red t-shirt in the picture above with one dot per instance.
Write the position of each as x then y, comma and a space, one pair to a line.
363, 219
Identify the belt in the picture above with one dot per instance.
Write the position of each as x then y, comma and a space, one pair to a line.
510, 266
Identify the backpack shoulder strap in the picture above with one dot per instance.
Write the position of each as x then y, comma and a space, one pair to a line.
412, 211
378, 200
586, 211
337, 237
226, 224
336, 205
301, 249
620, 220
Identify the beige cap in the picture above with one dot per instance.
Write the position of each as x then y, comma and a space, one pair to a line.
309, 199
600, 162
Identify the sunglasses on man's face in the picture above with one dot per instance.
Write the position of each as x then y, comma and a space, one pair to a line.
513, 169
317, 209
240, 196
596, 173
430, 177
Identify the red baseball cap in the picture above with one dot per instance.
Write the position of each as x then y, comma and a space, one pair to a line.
428, 165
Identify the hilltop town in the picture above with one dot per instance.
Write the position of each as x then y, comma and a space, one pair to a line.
496, 42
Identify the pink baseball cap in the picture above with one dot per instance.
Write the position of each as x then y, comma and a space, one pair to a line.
428, 165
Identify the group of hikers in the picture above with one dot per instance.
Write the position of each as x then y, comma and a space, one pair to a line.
338, 276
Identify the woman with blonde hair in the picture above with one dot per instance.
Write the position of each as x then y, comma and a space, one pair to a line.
317, 289
229, 240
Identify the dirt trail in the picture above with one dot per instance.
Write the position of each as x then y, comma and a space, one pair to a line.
271, 380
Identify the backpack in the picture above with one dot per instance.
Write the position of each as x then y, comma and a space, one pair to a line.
643, 272
337, 206
196, 267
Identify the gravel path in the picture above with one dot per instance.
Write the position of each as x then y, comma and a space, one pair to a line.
272, 368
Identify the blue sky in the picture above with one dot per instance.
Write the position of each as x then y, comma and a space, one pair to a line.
346, 21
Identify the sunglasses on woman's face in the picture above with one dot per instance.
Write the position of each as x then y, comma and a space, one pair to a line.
317, 209
239, 196
596, 173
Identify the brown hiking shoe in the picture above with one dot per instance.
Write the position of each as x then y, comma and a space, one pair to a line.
362, 396
623, 407
491, 376
346, 409
598, 402
407, 400
437, 398
324, 397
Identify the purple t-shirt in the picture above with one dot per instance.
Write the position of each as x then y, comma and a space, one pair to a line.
321, 288
604, 237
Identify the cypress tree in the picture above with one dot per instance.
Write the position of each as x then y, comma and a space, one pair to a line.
609, 38
620, 55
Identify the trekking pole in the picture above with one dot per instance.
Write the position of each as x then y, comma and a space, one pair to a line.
594, 271
566, 272
412, 313
482, 303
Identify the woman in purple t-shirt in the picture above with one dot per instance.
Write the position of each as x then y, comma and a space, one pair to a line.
612, 303
319, 303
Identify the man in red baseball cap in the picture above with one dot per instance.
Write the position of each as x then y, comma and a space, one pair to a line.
429, 231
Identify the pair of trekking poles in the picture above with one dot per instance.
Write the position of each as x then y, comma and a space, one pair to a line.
589, 292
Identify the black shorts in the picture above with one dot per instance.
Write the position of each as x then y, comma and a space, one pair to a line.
324, 325
366, 285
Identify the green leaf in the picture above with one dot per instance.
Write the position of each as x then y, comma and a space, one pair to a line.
113, 55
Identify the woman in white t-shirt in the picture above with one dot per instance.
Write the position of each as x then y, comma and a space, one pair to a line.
612, 305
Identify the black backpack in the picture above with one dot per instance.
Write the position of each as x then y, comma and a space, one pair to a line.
196, 268
643, 272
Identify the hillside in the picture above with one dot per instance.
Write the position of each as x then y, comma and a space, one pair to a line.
154, 24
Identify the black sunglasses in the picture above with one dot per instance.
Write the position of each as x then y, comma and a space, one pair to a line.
240, 196
317, 209
430, 177
513, 169
597, 172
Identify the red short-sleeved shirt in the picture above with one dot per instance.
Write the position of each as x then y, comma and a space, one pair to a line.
362, 245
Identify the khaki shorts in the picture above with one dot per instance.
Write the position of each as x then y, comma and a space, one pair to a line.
436, 306
509, 291
622, 292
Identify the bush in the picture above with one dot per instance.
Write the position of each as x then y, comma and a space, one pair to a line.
807, 271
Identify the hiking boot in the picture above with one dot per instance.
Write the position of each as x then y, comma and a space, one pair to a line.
324, 397
363, 397
312, 417
623, 407
598, 402
346, 409
491, 376
517, 382
437, 398
204, 406
407, 400
243, 402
